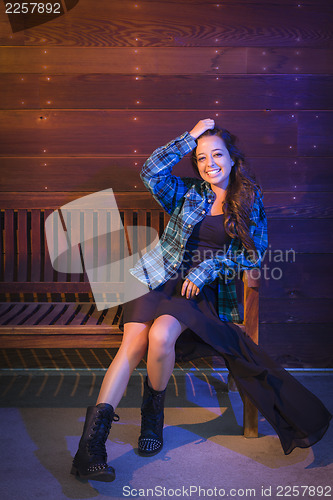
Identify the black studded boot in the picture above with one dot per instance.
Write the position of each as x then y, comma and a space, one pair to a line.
90, 459
152, 421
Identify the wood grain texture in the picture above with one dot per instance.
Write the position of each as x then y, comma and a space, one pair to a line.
91, 174
170, 23
293, 345
280, 205
166, 61
107, 91
101, 133
304, 275
297, 310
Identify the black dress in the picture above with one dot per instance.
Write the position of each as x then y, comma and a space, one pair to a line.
297, 415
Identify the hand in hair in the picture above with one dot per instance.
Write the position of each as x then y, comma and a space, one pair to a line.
201, 127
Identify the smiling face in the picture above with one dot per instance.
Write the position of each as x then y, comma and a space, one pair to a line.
213, 160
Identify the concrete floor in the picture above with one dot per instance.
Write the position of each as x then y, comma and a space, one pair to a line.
42, 414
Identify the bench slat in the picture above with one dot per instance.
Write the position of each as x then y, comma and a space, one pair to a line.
42, 309
65, 336
35, 245
18, 311
71, 310
155, 220
22, 248
9, 245
5, 308
81, 314
49, 314
48, 269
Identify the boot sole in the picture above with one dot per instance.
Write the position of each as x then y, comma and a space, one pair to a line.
148, 454
95, 476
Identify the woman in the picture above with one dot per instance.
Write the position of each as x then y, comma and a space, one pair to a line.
217, 228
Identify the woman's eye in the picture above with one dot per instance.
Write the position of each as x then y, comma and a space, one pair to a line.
200, 159
218, 154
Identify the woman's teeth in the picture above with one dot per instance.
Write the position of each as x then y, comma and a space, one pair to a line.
214, 172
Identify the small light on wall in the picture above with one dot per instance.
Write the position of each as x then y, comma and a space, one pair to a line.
293, 116
290, 147
45, 51
297, 68
44, 150
316, 116
138, 102
295, 162
45, 187
135, 186
264, 53
136, 39
45, 164
296, 103
216, 102
216, 39
136, 163
137, 78
296, 79
48, 78
135, 151
314, 145
22, 79
137, 69
48, 102
217, 78
22, 102
135, 118
216, 51
44, 67
216, 114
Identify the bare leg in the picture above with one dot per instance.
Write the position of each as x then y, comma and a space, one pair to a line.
130, 353
161, 350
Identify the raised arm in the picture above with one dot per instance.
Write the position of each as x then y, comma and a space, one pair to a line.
156, 173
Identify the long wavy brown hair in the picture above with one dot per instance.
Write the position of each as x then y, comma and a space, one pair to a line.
240, 191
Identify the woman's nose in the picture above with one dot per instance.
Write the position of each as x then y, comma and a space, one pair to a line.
210, 161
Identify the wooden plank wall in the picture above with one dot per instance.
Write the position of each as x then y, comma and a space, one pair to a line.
86, 97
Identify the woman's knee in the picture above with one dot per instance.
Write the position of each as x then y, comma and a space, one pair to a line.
164, 333
135, 338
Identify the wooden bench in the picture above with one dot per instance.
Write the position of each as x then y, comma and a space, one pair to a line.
41, 307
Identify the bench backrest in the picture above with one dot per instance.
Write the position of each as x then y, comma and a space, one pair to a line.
26, 267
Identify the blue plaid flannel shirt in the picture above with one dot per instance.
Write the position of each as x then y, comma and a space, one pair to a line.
187, 200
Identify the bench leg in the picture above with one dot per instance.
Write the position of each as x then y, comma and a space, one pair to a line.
250, 412
250, 419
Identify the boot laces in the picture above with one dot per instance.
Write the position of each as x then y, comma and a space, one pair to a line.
101, 430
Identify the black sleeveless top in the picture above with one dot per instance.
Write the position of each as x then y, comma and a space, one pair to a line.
207, 239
